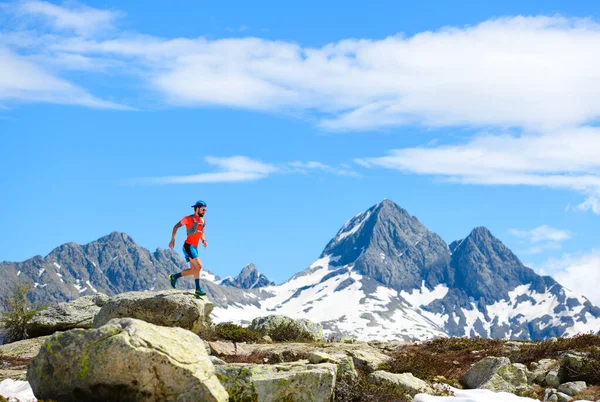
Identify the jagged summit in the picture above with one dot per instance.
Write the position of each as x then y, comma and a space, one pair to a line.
486, 269
249, 278
389, 245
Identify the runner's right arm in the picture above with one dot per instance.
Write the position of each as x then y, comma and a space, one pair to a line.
172, 242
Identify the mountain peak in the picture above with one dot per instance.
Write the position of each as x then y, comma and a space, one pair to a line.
486, 269
389, 245
249, 278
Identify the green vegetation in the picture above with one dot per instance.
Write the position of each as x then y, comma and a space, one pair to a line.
18, 310
550, 349
289, 332
361, 389
230, 332
447, 357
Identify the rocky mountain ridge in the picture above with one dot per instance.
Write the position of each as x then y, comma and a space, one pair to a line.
384, 275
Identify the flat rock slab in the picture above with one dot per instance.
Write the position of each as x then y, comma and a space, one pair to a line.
168, 308
27, 349
291, 382
78, 313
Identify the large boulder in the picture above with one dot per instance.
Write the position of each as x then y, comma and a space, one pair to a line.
265, 325
125, 360
169, 308
290, 382
496, 374
78, 313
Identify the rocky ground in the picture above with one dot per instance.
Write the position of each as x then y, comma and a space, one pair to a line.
155, 346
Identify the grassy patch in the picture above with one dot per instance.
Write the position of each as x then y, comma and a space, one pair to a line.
230, 332
550, 349
588, 370
448, 357
362, 390
290, 332
589, 394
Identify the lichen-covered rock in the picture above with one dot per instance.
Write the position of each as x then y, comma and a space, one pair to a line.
496, 374
290, 382
168, 308
562, 397
27, 348
540, 369
125, 360
266, 324
571, 362
346, 369
78, 313
552, 378
572, 388
317, 357
405, 382
368, 360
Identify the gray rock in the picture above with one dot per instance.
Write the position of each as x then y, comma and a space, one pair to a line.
127, 359
317, 357
368, 360
293, 382
496, 374
169, 308
266, 324
572, 388
27, 348
540, 369
216, 361
563, 397
404, 382
78, 313
552, 378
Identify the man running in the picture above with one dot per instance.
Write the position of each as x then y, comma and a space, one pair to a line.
195, 232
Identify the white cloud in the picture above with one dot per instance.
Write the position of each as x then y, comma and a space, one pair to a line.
242, 168
23, 81
562, 159
591, 204
304, 167
232, 169
541, 234
579, 273
540, 73
80, 18
542, 238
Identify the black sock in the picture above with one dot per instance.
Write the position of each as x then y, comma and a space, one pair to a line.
197, 284
177, 275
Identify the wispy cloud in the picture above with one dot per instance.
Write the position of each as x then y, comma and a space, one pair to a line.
305, 167
591, 204
562, 159
578, 272
242, 168
241, 28
542, 238
23, 81
77, 17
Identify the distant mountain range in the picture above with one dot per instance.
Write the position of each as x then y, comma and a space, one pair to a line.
384, 275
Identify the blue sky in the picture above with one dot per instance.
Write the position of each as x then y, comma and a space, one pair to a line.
289, 120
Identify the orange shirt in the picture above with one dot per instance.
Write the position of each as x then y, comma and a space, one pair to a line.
195, 228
